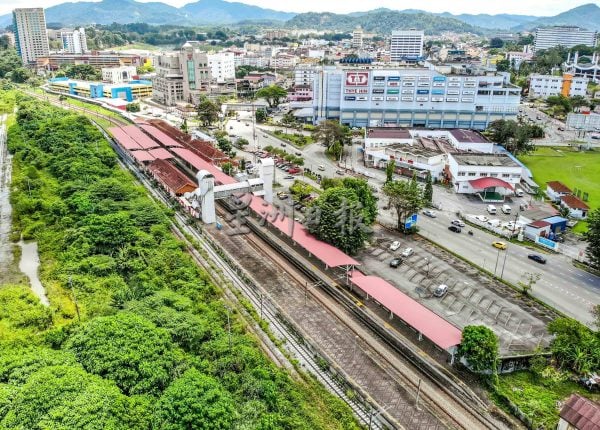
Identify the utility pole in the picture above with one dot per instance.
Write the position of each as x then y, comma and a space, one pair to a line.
512, 235
418, 395
497, 258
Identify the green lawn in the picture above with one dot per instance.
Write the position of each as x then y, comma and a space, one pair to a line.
575, 169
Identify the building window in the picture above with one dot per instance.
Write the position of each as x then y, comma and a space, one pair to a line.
471, 173
506, 175
494, 175
461, 173
482, 174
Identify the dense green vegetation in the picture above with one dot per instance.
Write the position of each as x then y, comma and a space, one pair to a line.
343, 213
479, 346
539, 396
382, 21
136, 336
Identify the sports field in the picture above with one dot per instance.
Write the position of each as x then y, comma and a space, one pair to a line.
575, 169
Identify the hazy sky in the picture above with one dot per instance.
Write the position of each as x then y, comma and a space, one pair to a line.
526, 7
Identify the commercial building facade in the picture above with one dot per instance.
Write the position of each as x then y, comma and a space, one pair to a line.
186, 76
94, 90
566, 36
118, 75
406, 44
222, 66
74, 42
31, 40
412, 97
95, 59
566, 85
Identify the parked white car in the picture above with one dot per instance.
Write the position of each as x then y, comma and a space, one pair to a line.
394, 246
407, 252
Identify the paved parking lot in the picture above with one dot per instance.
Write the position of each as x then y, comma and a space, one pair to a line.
472, 298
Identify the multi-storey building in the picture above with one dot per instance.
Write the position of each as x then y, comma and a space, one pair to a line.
406, 45
484, 173
222, 66
74, 42
283, 61
357, 38
566, 85
412, 97
566, 36
31, 40
95, 59
586, 69
118, 75
185, 76
167, 84
305, 75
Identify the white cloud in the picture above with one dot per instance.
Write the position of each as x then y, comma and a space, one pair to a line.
526, 7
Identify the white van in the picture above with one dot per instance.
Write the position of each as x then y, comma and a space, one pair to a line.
321, 167
491, 209
506, 209
519, 192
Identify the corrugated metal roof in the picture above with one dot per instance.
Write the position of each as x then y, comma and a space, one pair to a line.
430, 324
581, 413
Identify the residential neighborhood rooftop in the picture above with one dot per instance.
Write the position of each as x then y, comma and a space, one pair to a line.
559, 187
495, 160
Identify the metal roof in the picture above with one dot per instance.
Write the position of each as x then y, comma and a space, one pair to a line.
140, 137
123, 138
581, 413
160, 136
488, 182
426, 322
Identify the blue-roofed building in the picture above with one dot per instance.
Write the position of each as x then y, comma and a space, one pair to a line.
129, 92
557, 223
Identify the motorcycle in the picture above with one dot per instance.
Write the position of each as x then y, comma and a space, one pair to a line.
470, 232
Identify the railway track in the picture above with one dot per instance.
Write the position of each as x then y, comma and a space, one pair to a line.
401, 374
406, 374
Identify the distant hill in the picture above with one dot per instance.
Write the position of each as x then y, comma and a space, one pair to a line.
382, 22
586, 16
128, 11
502, 21
222, 12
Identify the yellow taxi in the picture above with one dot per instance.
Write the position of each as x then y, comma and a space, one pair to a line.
499, 245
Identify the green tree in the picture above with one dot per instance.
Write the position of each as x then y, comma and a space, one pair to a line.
529, 282
575, 345
127, 349
405, 197
242, 142
593, 238
184, 126
515, 137
195, 401
496, 42
132, 107
337, 218
389, 171
208, 112
61, 397
300, 190
503, 65
330, 132
261, 115
479, 346
9, 61
84, 72
428, 191
224, 144
227, 168
273, 94
365, 196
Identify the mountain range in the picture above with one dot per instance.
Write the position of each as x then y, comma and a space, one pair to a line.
217, 12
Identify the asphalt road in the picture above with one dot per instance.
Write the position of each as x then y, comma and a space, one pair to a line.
563, 286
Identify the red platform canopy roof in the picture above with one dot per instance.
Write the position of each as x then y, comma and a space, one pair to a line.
430, 324
487, 182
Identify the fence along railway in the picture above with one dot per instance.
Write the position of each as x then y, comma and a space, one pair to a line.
438, 392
